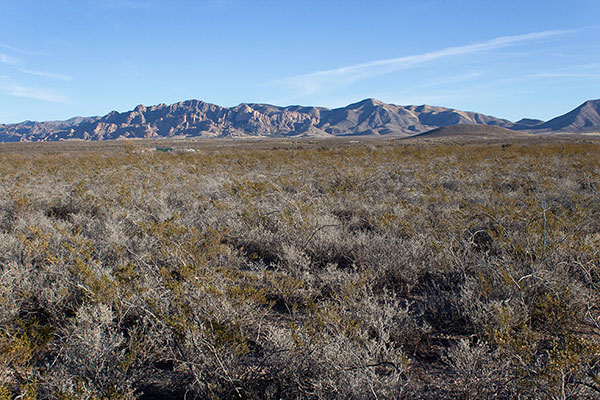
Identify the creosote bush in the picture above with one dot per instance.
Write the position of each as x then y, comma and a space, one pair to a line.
295, 270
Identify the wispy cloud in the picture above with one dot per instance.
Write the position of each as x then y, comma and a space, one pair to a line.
16, 62
44, 74
543, 75
571, 72
450, 80
34, 93
11, 88
8, 60
328, 79
13, 49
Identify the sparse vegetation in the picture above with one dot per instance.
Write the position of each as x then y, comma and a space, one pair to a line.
355, 270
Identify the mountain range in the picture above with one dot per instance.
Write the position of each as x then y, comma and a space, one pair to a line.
194, 118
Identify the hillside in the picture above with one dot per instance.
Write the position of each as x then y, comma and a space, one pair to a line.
194, 118
471, 131
584, 118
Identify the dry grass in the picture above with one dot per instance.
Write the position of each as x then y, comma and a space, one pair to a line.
330, 270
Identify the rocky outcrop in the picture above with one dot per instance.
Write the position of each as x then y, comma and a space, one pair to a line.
194, 118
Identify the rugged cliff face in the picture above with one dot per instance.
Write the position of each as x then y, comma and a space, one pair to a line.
196, 118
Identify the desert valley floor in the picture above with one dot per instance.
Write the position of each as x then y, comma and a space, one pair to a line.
295, 269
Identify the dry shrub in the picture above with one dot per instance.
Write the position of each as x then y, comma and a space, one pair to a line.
306, 271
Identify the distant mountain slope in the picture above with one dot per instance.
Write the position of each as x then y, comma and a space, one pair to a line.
196, 118
584, 118
526, 124
372, 116
472, 131
28, 129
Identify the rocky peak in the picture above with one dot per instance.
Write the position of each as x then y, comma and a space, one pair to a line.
193, 118
370, 103
584, 118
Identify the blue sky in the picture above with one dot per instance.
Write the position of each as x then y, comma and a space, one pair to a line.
510, 59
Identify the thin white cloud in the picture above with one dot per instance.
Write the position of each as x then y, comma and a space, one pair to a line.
13, 49
14, 89
559, 74
16, 62
482, 89
550, 75
45, 74
450, 80
8, 60
320, 80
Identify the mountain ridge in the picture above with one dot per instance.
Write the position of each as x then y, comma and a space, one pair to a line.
471, 131
196, 118
584, 118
